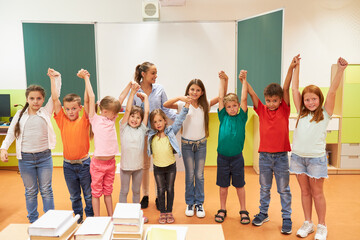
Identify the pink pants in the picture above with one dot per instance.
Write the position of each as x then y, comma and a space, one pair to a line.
102, 177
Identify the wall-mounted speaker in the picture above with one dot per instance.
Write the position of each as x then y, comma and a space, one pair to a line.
150, 10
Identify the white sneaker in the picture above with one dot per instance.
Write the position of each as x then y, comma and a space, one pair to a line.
321, 232
306, 229
200, 212
189, 210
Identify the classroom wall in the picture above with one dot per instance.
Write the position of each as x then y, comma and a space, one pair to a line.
321, 30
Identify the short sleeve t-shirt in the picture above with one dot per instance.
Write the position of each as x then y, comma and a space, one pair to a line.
105, 138
310, 137
163, 154
74, 135
193, 125
231, 133
274, 128
132, 146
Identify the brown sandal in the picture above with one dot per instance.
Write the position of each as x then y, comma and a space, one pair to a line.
170, 218
162, 219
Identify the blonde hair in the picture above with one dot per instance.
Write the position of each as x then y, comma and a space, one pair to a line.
318, 113
110, 103
230, 97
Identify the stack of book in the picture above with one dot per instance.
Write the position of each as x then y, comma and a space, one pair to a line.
128, 221
54, 224
95, 228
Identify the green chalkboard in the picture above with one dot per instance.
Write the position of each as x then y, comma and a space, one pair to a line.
259, 51
63, 47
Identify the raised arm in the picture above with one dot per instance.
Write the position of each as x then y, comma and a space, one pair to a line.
222, 75
330, 98
84, 74
244, 90
145, 99
54, 91
254, 97
295, 86
171, 103
125, 92
288, 78
222, 92
134, 88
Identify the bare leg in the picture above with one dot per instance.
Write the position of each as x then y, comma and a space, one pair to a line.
241, 195
223, 196
317, 191
96, 206
108, 204
306, 195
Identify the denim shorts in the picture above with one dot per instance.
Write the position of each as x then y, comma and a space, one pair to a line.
313, 167
230, 168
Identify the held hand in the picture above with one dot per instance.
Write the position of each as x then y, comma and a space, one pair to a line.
222, 75
342, 63
82, 73
295, 61
141, 95
242, 75
4, 155
135, 87
52, 73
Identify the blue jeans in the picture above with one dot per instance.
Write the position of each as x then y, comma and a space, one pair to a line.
77, 177
36, 172
277, 164
194, 156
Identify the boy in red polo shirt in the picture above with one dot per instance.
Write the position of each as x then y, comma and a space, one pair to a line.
274, 147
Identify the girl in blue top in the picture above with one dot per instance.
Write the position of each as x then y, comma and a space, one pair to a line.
145, 76
308, 159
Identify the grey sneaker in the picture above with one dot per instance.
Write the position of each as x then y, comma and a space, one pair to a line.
321, 232
189, 210
260, 219
286, 226
306, 229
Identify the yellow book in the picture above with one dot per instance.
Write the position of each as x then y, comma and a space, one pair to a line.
162, 234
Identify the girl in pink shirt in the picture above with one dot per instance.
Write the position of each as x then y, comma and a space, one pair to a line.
102, 167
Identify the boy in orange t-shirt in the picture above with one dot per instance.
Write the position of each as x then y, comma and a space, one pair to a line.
75, 137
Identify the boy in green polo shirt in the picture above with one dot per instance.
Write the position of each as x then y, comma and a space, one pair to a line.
230, 162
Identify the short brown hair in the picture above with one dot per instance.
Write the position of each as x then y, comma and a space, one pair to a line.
273, 89
230, 97
72, 97
137, 109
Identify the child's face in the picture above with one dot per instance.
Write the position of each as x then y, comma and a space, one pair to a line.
232, 107
35, 100
159, 123
134, 120
195, 92
151, 75
272, 102
109, 114
311, 101
72, 110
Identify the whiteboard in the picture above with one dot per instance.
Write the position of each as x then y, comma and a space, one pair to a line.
181, 52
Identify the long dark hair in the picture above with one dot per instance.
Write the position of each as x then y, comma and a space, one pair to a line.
31, 88
202, 101
144, 67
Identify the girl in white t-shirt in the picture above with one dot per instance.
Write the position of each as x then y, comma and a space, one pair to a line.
193, 141
308, 158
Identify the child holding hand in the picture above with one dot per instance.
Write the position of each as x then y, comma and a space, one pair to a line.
308, 158
132, 135
161, 145
230, 161
102, 167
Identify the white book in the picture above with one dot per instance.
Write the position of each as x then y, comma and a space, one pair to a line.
129, 235
53, 223
127, 213
94, 228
